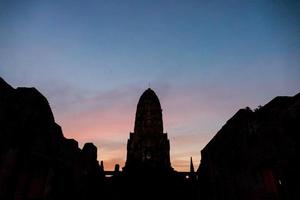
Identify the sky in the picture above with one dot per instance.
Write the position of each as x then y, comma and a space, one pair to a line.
205, 59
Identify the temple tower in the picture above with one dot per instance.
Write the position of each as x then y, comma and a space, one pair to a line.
148, 147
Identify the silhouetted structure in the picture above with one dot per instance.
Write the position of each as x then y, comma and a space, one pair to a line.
192, 169
148, 148
36, 161
255, 155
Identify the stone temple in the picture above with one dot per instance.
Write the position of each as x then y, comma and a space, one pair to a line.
254, 156
148, 148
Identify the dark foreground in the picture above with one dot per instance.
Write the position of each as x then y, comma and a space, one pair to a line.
254, 156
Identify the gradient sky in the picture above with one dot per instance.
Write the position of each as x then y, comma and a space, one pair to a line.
205, 59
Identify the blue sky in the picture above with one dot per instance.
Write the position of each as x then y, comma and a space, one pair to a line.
205, 59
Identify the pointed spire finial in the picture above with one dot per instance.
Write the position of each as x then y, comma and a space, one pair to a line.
192, 170
102, 165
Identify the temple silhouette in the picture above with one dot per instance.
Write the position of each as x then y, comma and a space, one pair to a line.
253, 156
148, 148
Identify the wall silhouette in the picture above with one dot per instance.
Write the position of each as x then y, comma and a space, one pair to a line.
255, 154
36, 161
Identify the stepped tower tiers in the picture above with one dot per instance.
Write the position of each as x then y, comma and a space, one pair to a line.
148, 147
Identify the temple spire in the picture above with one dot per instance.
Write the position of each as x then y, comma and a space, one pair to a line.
148, 119
192, 170
148, 147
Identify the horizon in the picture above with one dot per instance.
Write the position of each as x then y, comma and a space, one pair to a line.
122, 163
205, 60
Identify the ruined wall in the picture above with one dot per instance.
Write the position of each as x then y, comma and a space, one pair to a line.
255, 154
36, 161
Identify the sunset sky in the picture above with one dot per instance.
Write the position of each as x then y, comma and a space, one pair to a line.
205, 59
